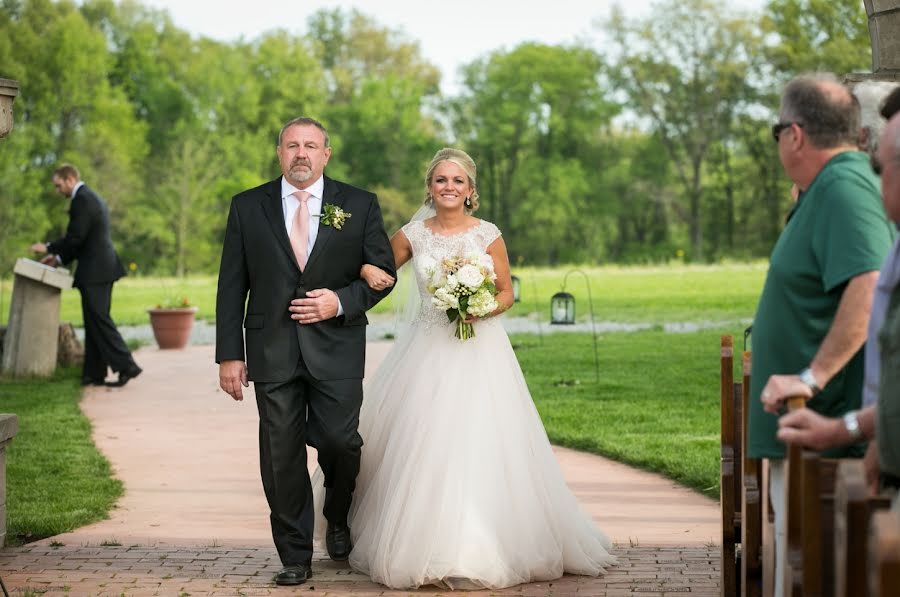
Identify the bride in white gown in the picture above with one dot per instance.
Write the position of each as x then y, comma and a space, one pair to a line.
458, 484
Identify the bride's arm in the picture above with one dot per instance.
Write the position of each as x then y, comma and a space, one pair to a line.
377, 278
504, 298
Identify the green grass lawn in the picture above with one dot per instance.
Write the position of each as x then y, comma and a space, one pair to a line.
656, 405
57, 480
624, 294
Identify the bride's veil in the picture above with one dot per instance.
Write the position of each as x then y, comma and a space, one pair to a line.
406, 295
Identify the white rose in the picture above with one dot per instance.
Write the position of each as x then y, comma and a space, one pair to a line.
469, 275
426, 266
444, 299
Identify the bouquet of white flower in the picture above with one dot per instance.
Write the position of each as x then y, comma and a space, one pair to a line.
461, 286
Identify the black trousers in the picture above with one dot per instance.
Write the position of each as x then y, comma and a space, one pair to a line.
103, 345
292, 414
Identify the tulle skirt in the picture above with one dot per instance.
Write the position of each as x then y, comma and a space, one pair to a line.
458, 484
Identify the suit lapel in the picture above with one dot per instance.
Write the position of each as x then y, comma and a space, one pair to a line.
274, 211
333, 196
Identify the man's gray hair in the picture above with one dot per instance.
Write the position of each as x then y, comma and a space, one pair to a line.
827, 111
305, 121
871, 96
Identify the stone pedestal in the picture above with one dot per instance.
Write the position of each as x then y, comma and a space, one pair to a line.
9, 427
31, 340
8, 92
884, 31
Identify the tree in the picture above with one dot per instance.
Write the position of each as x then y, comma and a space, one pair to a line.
379, 91
817, 35
68, 110
689, 75
530, 118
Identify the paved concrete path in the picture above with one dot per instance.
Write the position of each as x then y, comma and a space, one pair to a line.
194, 520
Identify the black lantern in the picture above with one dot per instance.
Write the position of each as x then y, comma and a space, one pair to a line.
516, 284
562, 309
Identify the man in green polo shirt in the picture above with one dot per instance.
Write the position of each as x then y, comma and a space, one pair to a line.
811, 320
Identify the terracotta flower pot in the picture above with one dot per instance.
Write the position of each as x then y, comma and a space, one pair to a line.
172, 327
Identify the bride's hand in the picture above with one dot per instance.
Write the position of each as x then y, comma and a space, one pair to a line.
375, 277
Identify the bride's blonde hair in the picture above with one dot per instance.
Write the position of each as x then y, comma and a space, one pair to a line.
461, 159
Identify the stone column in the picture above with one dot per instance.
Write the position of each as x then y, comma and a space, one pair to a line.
884, 31
32, 335
8, 92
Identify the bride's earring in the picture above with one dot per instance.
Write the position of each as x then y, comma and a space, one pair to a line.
469, 202
429, 201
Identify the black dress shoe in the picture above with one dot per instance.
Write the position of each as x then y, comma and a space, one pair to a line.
125, 376
337, 540
293, 575
92, 381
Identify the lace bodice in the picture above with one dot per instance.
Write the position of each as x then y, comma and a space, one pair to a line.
424, 242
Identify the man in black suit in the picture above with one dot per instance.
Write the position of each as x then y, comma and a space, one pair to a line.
296, 245
87, 240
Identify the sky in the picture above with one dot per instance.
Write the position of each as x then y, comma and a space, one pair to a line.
450, 34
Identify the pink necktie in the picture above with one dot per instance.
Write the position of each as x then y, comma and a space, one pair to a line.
300, 229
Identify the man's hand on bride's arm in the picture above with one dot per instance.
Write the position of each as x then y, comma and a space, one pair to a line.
233, 375
320, 304
375, 277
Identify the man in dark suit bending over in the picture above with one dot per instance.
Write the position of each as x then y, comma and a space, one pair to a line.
88, 241
296, 245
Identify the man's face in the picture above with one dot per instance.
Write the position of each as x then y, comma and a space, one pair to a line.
64, 186
302, 154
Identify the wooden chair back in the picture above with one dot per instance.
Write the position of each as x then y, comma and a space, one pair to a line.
884, 554
853, 510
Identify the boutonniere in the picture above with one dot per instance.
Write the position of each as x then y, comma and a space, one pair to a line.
334, 216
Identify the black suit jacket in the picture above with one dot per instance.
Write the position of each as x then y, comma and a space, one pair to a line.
88, 241
257, 259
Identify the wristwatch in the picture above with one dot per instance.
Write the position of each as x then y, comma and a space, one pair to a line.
851, 422
807, 377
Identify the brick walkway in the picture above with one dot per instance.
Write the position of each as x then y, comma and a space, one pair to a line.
193, 520
206, 571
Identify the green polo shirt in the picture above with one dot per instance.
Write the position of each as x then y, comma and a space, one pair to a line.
836, 231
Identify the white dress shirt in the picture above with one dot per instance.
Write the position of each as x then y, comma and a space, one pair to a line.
289, 205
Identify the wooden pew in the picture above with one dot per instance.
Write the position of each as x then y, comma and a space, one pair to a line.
809, 482
729, 470
768, 535
853, 510
752, 498
884, 554
740, 484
